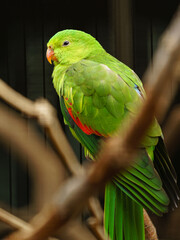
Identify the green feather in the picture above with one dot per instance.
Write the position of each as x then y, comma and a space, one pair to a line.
135, 193
98, 101
78, 101
114, 107
153, 182
133, 218
144, 188
139, 219
119, 215
103, 89
89, 108
110, 196
123, 217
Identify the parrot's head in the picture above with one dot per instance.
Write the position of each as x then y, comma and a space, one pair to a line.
70, 46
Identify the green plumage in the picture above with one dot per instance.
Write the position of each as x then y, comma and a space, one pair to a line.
97, 93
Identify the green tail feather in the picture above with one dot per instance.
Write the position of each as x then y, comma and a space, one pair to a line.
123, 216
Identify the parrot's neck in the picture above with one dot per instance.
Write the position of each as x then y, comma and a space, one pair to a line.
58, 77
61, 67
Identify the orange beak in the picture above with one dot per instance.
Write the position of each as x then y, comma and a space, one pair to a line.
50, 55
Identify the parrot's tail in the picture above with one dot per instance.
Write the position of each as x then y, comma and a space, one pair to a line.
123, 216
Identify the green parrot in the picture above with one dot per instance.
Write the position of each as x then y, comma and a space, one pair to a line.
97, 93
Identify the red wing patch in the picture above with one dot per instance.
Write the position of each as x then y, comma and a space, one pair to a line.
83, 127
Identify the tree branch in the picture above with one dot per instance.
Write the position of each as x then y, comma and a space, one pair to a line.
74, 230
150, 230
14, 221
16, 100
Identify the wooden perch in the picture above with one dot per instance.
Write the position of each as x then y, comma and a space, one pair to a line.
150, 230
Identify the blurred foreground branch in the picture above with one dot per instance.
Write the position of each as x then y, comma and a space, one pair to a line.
46, 115
117, 153
45, 166
74, 230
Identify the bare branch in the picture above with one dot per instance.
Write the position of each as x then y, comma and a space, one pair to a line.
96, 228
14, 221
47, 117
150, 230
16, 100
74, 230
45, 165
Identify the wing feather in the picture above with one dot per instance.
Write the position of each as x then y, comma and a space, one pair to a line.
101, 100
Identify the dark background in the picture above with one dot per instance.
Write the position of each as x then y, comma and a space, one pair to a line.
129, 30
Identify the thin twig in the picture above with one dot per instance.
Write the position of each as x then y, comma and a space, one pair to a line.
96, 227
14, 221
150, 230
16, 100
73, 231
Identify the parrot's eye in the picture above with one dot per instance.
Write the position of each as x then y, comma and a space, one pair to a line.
66, 43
